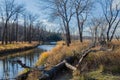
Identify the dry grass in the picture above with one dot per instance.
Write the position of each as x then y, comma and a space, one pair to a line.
34, 75
102, 65
17, 45
97, 74
110, 60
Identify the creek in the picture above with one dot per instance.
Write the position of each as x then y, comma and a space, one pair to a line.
9, 70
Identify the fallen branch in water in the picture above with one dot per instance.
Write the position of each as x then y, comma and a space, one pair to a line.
21, 64
23, 76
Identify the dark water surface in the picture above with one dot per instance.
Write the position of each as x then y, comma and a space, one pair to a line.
9, 70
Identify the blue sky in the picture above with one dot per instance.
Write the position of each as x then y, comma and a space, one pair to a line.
31, 5
36, 7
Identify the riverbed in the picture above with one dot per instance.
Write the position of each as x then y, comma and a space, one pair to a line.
9, 70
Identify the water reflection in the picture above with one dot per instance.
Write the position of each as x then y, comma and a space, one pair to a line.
46, 47
10, 70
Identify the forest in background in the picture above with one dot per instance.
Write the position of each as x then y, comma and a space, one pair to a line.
18, 25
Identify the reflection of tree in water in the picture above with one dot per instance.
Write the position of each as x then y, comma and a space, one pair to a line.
5, 69
11, 69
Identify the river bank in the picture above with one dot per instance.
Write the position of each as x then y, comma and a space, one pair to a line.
16, 47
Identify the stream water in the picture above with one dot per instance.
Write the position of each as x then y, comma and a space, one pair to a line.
9, 70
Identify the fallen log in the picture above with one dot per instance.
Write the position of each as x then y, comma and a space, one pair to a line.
107, 49
83, 57
50, 74
22, 76
70, 66
74, 68
67, 63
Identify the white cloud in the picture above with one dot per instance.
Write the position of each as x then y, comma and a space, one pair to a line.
49, 25
116, 2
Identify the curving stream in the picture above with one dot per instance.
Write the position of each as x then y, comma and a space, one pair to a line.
9, 70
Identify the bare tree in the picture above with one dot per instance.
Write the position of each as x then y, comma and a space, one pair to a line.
111, 12
31, 18
64, 9
82, 7
12, 30
9, 9
16, 34
25, 18
95, 25
39, 31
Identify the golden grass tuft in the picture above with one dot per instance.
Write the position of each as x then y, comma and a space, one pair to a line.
43, 57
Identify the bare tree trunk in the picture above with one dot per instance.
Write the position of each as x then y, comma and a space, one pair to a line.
10, 34
81, 36
3, 36
108, 34
16, 37
78, 23
68, 34
6, 33
25, 31
30, 33
13, 32
3, 33
25, 34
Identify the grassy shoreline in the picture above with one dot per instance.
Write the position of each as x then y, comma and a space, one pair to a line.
16, 47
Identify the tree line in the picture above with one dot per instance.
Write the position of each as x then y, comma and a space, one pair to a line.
17, 24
